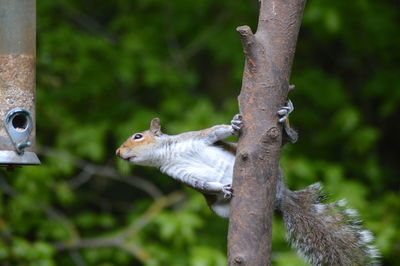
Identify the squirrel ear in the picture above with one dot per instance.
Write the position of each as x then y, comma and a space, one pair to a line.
155, 127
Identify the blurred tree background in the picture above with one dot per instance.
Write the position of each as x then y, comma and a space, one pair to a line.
105, 68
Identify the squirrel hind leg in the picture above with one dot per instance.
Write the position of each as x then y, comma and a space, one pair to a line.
290, 134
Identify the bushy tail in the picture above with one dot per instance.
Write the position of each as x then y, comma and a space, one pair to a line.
325, 234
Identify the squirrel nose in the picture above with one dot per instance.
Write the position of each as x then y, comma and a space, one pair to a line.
118, 152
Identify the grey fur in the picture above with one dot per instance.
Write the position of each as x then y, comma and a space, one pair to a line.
324, 234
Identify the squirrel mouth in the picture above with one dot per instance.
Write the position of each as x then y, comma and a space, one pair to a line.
131, 159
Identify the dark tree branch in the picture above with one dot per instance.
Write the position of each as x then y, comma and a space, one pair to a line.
126, 238
5, 187
77, 258
269, 55
89, 170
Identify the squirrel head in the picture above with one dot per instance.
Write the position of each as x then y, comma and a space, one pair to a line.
140, 147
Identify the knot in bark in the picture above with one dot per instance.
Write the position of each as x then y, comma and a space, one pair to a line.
271, 135
238, 260
273, 132
244, 156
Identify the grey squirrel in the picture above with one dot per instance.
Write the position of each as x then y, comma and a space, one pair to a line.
324, 234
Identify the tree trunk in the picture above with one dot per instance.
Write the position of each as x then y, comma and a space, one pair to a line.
269, 55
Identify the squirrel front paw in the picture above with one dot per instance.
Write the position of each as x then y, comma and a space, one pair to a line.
228, 191
285, 111
236, 124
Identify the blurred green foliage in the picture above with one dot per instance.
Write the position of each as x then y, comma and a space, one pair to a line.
105, 68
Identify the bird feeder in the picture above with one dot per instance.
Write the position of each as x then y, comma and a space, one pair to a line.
17, 82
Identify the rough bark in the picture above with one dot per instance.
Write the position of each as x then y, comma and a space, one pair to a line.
269, 55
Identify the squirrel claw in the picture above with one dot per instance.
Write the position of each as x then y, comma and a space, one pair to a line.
236, 124
285, 111
228, 191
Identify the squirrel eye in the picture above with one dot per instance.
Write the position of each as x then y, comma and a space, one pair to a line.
138, 136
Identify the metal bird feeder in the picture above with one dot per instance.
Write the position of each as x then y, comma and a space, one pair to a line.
17, 82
